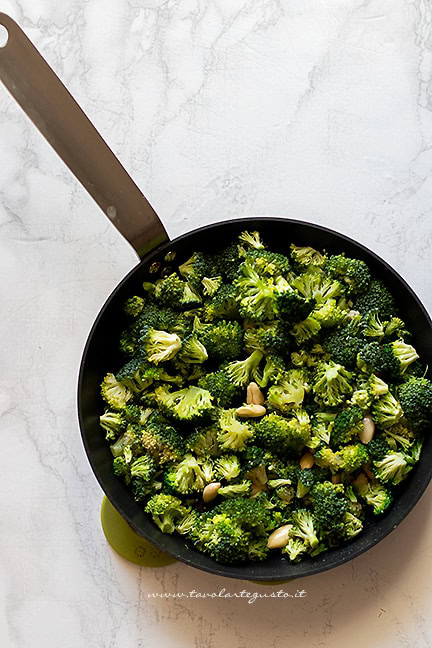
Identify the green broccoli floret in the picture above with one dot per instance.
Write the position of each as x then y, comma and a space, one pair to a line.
161, 440
143, 468
196, 268
227, 467
137, 375
114, 393
192, 350
220, 386
378, 447
386, 411
343, 345
159, 346
352, 526
306, 256
353, 457
399, 435
294, 549
332, 383
258, 549
251, 240
121, 468
187, 404
374, 494
329, 314
226, 262
329, 507
328, 458
113, 423
211, 285
393, 468
134, 305
188, 524
308, 477
289, 391
185, 477
315, 284
165, 510
269, 264
240, 371
305, 527
289, 305
169, 291
203, 441
371, 325
279, 434
255, 294
272, 338
223, 340
353, 272
305, 330
377, 297
347, 425
223, 304
368, 392
242, 489
221, 538
416, 399
232, 434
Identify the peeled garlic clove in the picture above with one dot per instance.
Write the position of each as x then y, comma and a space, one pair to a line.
251, 411
279, 538
307, 460
368, 431
211, 491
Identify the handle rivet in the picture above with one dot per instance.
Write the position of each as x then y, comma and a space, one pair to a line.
111, 212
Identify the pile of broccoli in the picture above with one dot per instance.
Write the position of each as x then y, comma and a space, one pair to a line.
267, 401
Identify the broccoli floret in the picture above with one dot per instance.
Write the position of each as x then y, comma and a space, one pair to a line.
353, 456
161, 440
242, 489
352, 525
270, 338
253, 457
255, 294
294, 549
328, 458
114, 393
159, 346
227, 261
329, 314
332, 383
220, 386
227, 467
378, 447
113, 423
187, 404
368, 392
240, 371
386, 411
165, 510
223, 340
343, 345
137, 375
258, 549
196, 267
353, 272
279, 434
169, 291
143, 468
375, 495
203, 441
393, 468
211, 285
305, 527
399, 435
329, 506
306, 256
347, 425
251, 240
269, 264
192, 350
186, 477
305, 330
232, 434
223, 304
289, 305
378, 298
416, 400
134, 305
121, 468
289, 391
307, 477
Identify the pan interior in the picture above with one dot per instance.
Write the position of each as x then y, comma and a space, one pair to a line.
101, 355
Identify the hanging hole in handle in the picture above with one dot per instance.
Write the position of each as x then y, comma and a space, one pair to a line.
4, 36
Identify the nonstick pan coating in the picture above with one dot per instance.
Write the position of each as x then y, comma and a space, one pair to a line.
101, 355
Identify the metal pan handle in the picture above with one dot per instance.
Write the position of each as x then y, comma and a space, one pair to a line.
54, 111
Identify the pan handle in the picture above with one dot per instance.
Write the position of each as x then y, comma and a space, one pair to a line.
54, 111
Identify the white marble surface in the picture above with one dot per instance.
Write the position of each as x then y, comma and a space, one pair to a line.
316, 109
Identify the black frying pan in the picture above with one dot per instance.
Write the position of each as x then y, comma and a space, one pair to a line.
37, 90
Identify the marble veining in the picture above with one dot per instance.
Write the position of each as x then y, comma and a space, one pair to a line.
320, 111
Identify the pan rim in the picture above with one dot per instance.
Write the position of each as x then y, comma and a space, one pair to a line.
247, 572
